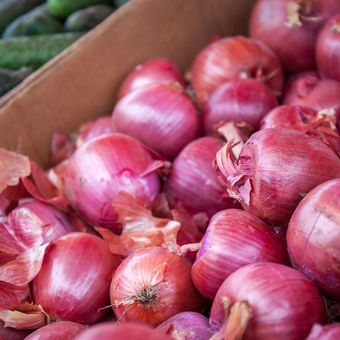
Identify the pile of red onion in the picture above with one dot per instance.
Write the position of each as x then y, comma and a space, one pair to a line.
205, 207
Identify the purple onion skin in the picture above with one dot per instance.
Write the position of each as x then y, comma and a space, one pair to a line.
328, 332
313, 237
7, 333
192, 170
62, 330
234, 238
190, 325
238, 100
284, 303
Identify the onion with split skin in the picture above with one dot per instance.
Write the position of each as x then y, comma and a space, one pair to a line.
265, 301
238, 100
160, 116
153, 71
234, 238
313, 237
74, 281
276, 168
102, 168
234, 58
152, 285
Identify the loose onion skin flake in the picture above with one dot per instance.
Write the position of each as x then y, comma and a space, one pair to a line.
233, 239
63, 330
128, 331
152, 285
160, 116
265, 301
239, 100
103, 167
193, 169
74, 280
275, 170
328, 332
313, 237
153, 71
234, 58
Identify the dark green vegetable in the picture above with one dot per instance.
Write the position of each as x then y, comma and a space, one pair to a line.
33, 51
10, 79
35, 22
63, 8
12, 9
87, 18
119, 3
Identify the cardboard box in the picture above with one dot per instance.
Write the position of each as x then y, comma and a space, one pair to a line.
80, 84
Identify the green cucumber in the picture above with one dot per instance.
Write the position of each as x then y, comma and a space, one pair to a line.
63, 8
10, 79
87, 18
33, 51
35, 22
12, 9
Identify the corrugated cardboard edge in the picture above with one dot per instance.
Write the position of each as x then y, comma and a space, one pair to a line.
80, 84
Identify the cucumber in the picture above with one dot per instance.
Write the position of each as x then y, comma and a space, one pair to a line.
10, 79
33, 51
35, 22
12, 9
87, 18
63, 8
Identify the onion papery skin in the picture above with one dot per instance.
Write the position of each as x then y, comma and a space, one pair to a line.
276, 169
63, 330
328, 49
74, 281
152, 285
103, 167
284, 303
31, 211
234, 58
328, 332
238, 100
313, 237
160, 116
99, 127
234, 238
305, 119
7, 333
153, 71
128, 331
193, 170
292, 40
308, 89
186, 325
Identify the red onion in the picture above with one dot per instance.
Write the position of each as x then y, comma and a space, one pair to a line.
328, 49
63, 330
96, 128
9, 198
192, 170
128, 331
34, 223
274, 171
239, 100
159, 115
329, 332
313, 237
290, 28
7, 333
152, 285
308, 89
320, 125
235, 57
153, 71
102, 168
271, 300
73, 283
233, 239
62, 147
186, 326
